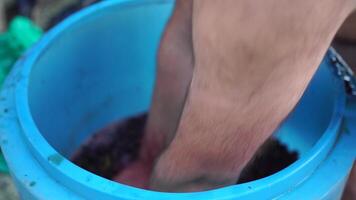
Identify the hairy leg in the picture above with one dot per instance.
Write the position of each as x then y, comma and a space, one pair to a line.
253, 61
174, 72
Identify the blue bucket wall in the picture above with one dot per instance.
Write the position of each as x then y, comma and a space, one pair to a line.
105, 72
99, 66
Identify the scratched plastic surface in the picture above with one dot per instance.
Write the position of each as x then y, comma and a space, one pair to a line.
98, 66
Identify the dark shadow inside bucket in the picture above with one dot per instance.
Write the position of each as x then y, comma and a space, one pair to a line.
113, 148
102, 70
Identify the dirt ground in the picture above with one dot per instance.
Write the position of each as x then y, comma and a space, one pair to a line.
7, 189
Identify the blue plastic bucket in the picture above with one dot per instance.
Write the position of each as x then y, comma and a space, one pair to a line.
98, 66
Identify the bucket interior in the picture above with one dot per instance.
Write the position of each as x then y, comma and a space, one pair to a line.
102, 69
